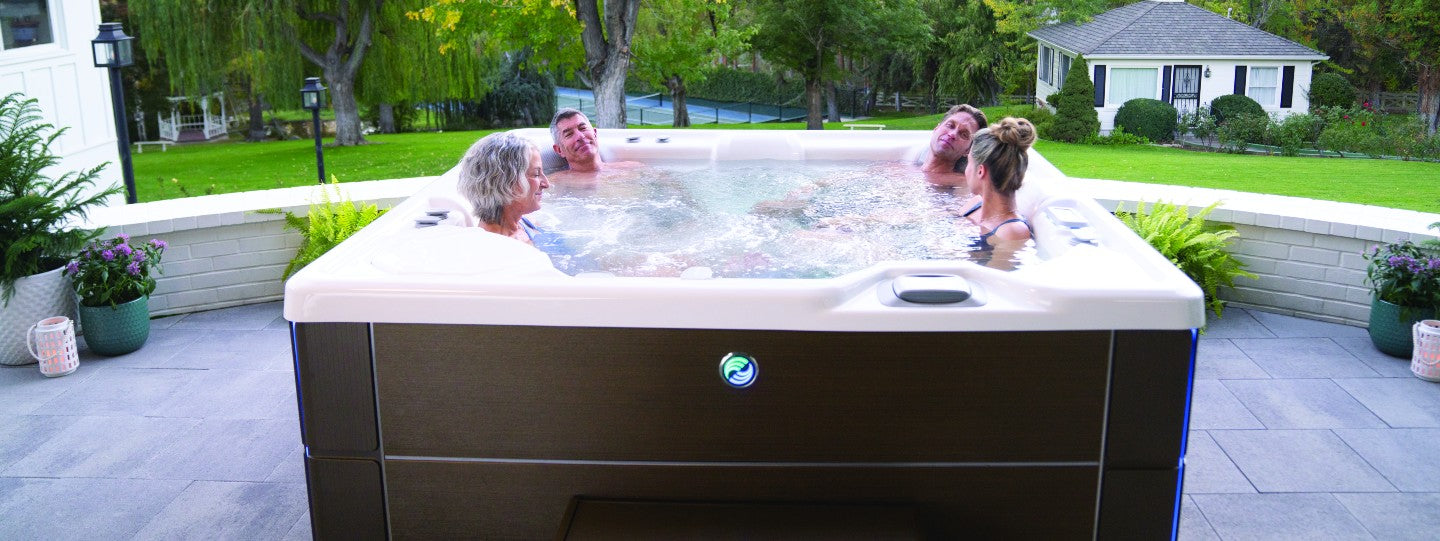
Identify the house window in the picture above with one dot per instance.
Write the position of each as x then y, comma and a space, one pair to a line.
1064, 70
1263, 85
1129, 83
24, 23
1047, 64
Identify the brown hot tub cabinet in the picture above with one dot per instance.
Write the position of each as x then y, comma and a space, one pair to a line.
480, 431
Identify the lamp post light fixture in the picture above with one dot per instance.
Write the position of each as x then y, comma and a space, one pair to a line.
312, 97
113, 50
1207, 72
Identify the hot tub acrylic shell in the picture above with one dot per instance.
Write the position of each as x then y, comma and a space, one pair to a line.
448, 394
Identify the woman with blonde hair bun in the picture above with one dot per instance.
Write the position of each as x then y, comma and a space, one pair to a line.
994, 172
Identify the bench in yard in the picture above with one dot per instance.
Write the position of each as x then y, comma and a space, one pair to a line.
140, 146
865, 126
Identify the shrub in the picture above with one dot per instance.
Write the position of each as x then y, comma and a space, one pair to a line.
725, 84
1198, 123
1331, 90
1197, 248
1295, 132
1152, 119
1042, 118
1117, 137
328, 223
1230, 106
1075, 116
1242, 130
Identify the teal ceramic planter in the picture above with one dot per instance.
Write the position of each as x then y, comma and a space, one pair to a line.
1390, 326
116, 330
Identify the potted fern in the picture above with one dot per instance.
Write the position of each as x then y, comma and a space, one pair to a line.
37, 235
1197, 248
327, 224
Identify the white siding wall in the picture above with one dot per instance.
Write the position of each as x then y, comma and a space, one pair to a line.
1220, 82
71, 91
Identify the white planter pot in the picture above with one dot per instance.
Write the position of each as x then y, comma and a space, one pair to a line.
36, 297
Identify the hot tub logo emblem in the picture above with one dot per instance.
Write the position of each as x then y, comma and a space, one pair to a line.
738, 370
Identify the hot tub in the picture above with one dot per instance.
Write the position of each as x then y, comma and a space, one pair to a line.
454, 385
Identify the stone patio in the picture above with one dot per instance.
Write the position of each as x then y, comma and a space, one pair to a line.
1300, 430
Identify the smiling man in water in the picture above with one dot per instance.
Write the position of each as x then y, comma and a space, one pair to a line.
576, 140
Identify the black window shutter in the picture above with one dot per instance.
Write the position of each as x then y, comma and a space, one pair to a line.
1165, 85
1099, 85
1287, 87
1240, 80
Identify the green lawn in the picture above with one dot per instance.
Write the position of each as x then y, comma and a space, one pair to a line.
238, 166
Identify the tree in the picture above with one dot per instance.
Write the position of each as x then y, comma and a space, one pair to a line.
549, 29
968, 54
263, 36
1075, 116
1412, 29
807, 36
678, 40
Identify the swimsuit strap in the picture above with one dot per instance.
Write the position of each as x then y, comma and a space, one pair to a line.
530, 229
972, 209
985, 237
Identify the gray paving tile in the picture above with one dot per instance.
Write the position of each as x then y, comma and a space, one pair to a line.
23, 389
1362, 348
1270, 517
291, 468
280, 323
284, 362
227, 510
159, 347
1405, 456
1236, 323
199, 356
22, 434
1294, 327
1398, 517
164, 322
1218, 358
1298, 461
252, 317
112, 447
260, 343
81, 508
301, 530
1213, 406
225, 450
1303, 358
119, 391
1401, 402
232, 394
1209, 471
1302, 403
1193, 526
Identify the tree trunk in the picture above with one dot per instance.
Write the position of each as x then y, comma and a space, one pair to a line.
387, 118
607, 55
678, 110
347, 112
256, 108
832, 108
813, 102
1428, 83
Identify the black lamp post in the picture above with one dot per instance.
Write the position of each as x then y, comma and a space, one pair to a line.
312, 97
113, 50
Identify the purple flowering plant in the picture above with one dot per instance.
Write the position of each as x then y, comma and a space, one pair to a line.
115, 271
1405, 274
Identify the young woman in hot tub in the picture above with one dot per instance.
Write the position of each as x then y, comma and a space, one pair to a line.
994, 171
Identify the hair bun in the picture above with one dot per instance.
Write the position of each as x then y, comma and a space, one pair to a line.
1015, 131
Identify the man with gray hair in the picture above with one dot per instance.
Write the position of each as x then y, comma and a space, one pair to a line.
575, 140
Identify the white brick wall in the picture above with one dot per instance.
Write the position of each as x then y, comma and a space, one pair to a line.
1306, 253
221, 252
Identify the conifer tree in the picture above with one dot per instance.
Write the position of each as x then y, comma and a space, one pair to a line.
1075, 116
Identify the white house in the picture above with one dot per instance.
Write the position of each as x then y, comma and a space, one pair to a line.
45, 53
1178, 53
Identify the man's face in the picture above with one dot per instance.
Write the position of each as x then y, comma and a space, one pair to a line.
951, 138
577, 140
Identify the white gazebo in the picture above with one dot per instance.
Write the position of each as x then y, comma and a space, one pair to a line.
1177, 53
179, 127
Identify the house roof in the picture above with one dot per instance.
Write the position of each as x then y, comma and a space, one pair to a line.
1153, 28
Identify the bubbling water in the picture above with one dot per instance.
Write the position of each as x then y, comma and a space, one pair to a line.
759, 220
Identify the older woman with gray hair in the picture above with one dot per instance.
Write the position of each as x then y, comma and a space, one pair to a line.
503, 179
